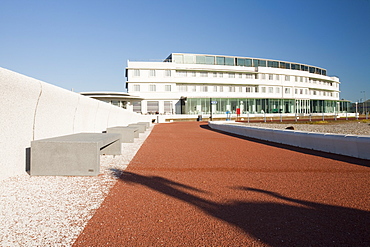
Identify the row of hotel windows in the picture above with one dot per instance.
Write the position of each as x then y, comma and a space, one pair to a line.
152, 73
153, 107
240, 89
237, 61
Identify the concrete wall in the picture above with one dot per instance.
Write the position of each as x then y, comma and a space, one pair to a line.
31, 109
349, 145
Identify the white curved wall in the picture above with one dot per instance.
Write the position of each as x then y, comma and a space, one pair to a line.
31, 109
349, 145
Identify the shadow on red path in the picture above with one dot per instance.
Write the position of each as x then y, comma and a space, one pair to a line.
301, 223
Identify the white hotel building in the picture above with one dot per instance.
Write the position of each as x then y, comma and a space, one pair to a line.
191, 83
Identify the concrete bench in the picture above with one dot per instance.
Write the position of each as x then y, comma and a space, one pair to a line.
141, 126
128, 133
72, 155
147, 124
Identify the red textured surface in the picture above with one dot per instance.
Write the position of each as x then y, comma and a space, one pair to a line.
191, 186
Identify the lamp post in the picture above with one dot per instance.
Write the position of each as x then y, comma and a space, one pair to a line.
338, 109
356, 111
210, 108
364, 103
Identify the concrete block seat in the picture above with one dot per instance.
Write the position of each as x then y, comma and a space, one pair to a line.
128, 134
147, 124
141, 126
72, 155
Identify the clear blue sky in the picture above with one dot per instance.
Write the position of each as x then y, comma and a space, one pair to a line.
85, 44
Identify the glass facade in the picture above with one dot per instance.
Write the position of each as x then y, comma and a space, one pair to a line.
240, 61
254, 106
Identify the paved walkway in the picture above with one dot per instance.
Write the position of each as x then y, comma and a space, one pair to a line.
191, 186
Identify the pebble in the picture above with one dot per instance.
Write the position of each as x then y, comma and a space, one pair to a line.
53, 210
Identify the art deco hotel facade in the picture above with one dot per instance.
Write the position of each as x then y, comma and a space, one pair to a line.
198, 84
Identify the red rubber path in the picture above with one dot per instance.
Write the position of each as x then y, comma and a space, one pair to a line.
191, 186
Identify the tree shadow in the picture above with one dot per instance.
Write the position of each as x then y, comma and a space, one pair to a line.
352, 160
291, 223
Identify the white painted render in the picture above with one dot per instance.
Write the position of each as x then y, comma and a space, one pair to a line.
224, 81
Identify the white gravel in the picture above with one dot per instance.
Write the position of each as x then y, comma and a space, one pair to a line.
361, 127
53, 210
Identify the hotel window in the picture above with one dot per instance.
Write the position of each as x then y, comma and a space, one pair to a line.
256, 89
214, 74
193, 88
167, 88
296, 66
152, 72
214, 88
249, 76
167, 73
167, 106
210, 60
287, 90
232, 89
296, 78
263, 89
271, 90
300, 91
231, 75
220, 60
229, 61
152, 88
240, 89
221, 88
204, 88
259, 63
152, 106
240, 75
306, 91
248, 62
200, 59
137, 106
271, 77
136, 88
221, 75
255, 76
240, 61
263, 76
189, 59
287, 78
248, 89
181, 73
193, 74
273, 64
301, 79
203, 74
277, 77
277, 89
136, 72
182, 88
296, 91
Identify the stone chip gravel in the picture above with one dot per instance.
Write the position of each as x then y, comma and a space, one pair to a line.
53, 210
